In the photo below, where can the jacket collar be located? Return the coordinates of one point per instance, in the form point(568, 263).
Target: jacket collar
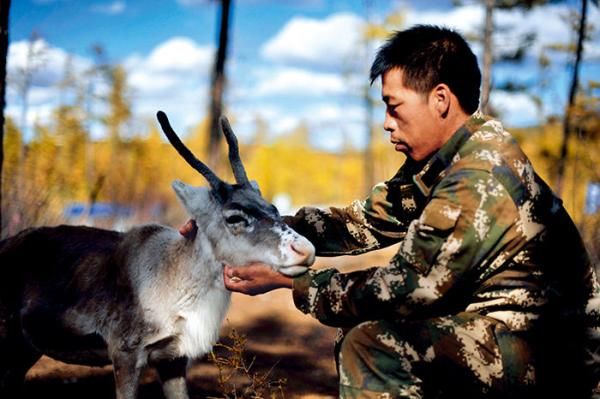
point(435, 168)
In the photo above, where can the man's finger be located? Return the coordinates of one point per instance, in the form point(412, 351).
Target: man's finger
point(189, 229)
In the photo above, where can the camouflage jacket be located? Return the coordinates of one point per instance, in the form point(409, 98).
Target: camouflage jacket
point(478, 230)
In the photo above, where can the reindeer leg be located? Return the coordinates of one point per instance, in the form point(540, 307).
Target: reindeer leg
point(172, 376)
point(127, 374)
point(15, 361)
point(16, 357)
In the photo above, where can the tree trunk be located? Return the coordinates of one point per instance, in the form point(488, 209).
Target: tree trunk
point(217, 86)
point(486, 79)
point(4, 10)
point(369, 155)
point(562, 160)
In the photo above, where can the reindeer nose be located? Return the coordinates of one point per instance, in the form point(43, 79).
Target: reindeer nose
point(305, 250)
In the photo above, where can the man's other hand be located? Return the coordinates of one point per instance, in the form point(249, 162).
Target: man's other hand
point(254, 279)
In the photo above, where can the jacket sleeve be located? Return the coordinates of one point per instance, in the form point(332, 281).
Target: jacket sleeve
point(469, 216)
point(360, 227)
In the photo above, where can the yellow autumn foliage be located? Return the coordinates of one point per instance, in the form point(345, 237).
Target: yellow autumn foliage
point(60, 165)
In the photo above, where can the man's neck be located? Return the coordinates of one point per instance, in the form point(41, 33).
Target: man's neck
point(453, 122)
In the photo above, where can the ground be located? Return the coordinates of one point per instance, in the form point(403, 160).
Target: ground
point(281, 341)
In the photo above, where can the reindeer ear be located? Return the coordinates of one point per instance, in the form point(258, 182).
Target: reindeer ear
point(194, 199)
point(254, 185)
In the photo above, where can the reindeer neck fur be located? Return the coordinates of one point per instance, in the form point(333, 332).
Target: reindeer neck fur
point(180, 285)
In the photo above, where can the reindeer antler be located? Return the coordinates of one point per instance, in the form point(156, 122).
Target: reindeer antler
point(190, 158)
point(234, 154)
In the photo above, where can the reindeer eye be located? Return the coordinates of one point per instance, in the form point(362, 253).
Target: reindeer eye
point(235, 219)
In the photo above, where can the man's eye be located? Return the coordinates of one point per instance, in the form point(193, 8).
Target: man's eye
point(235, 219)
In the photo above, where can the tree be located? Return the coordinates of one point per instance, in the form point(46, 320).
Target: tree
point(218, 84)
point(567, 123)
point(374, 32)
point(4, 10)
point(488, 43)
point(486, 78)
point(87, 98)
point(119, 113)
point(369, 158)
point(118, 103)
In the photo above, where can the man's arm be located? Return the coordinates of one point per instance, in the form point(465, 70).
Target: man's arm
point(469, 219)
point(361, 227)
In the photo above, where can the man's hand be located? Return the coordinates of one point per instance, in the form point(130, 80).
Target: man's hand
point(254, 279)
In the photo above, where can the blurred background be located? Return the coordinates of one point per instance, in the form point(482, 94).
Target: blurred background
point(84, 79)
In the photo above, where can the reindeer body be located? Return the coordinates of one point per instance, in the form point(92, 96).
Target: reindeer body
point(149, 296)
point(84, 304)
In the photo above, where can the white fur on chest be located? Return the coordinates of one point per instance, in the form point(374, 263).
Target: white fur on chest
point(191, 315)
point(198, 327)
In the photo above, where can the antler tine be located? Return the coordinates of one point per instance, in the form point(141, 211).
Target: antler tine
point(190, 158)
point(234, 153)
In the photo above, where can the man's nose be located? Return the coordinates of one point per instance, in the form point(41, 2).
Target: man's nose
point(388, 123)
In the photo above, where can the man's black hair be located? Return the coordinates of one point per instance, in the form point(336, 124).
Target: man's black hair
point(430, 55)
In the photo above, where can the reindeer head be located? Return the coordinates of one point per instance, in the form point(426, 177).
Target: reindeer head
point(241, 225)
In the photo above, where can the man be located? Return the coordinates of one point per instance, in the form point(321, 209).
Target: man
point(487, 294)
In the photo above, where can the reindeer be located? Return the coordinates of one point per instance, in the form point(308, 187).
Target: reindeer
point(147, 297)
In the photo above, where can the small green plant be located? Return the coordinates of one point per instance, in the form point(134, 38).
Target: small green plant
point(236, 379)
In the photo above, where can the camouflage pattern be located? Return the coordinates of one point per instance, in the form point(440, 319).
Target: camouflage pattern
point(480, 235)
point(463, 352)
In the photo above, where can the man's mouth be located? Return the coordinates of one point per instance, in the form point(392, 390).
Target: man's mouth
point(400, 146)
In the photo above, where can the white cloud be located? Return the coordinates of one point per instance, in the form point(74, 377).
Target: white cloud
point(176, 55)
point(44, 66)
point(114, 8)
point(334, 125)
point(332, 42)
point(174, 77)
point(331, 124)
point(516, 109)
point(176, 65)
point(295, 81)
point(547, 22)
point(40, 113)
point(278, 118)
point(463, 19)
point(45, 62)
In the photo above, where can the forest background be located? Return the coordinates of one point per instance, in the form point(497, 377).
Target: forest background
point(94, 156)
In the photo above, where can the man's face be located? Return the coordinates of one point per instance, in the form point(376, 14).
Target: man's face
point(410, 117)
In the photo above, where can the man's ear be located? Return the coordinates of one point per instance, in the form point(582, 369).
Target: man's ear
point(440, 97)
point(194, 199)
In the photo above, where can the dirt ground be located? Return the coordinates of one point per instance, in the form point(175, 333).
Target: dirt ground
point(281, 341)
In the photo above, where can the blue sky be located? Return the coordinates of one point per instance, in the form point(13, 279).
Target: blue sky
point(291, 62)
